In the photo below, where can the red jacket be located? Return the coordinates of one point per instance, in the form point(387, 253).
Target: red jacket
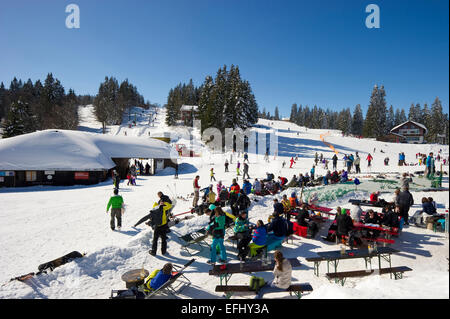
point(196, 183)
point(373, 197)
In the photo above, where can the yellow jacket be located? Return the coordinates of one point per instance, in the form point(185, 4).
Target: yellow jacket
point(166, 207)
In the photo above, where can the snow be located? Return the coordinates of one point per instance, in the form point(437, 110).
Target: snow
point(41, 223)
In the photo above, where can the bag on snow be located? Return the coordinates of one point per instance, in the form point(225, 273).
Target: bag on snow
point(256, 283)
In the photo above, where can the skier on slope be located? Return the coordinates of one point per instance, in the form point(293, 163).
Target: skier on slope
point(335, 159)
point(292, 162)
point(369, 160)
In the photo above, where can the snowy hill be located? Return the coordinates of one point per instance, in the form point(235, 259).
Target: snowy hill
point(41, 223)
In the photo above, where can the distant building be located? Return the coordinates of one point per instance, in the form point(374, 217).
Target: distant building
point(392, 138)
point(413, 132)
point(188, 114)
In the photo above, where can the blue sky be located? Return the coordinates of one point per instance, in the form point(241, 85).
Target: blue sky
point(305, 52)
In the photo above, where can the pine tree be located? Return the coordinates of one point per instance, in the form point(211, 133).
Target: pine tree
point(277, 114)
point(390, 119)
point(19, 120)
point(2, 101)
point(293, 115)
point(357, 121)
point(437, 121)
point(375, 122)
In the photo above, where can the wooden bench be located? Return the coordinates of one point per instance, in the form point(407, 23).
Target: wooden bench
point(297, 289)
point(342, 276)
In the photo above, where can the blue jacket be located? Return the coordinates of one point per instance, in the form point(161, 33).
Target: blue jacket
point(428, 208)
point(159, 280)
point(247, 187)
point(279, 208)
point(278, 226)
point(428, 162)
point(260, 236)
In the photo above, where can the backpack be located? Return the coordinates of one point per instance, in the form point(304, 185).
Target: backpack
point(156, 216)
point(256, 283)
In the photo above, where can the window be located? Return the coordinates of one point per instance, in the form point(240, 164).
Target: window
point(30, 176)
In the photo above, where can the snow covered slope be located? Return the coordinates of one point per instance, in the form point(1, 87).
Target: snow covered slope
point(39, 224)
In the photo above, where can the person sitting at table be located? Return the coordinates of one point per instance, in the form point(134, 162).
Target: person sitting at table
point(242, 232)
point(371, 218)
point(282, 276)
point(158, 278)
point(344, 224)
point(303, 216)
point(390, 218)
point(278, 226)
point(286, 207)
point(428, 209)
point(259, 240)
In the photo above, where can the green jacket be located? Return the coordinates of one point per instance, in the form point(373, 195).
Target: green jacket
point(240, 225)
point(220, 221)
point(115, 201)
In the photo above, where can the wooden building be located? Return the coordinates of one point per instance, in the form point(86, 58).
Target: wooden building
point(413, 132)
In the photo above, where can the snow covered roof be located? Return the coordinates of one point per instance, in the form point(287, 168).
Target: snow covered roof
point(415, 123)
point(189, 107)
point(75, 150)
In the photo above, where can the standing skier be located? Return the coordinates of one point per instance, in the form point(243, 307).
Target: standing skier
point(335, 159)
point(212, 175)
point(292, 162)
point(246, 158)
point(246, 171)
point(116, 204)
point(196, 192)
point(226, 165)
point(369, 160)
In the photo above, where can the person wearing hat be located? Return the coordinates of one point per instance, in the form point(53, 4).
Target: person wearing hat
point(344, 224)
point(217, 229)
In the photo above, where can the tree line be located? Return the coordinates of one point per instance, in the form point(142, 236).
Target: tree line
point(379, 119)
point(113, 99)
point(225, 101)
point(26, 106)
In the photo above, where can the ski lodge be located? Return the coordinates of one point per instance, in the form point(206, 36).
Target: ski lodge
point(63, 157)
point(413, 132)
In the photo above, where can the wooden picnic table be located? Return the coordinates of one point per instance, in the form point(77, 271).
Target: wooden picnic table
point(387, 230)
point(134, 277)
point(334, 257)
point(246, 267)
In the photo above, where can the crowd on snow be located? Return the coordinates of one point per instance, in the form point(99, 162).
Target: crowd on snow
point(287, 214)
